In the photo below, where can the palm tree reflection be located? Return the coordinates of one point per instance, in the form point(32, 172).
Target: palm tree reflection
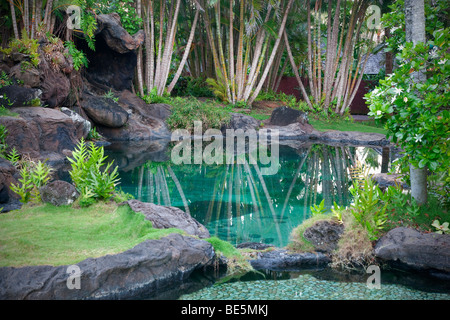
point(239, 204)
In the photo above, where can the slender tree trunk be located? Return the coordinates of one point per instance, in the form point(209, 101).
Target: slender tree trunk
point(13, 19)
point(186, 53)
point(274, 51)
point(294, 68)
point(415, 33)
point(139, 55)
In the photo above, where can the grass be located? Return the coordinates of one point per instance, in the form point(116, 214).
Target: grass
point(237, 264)
point(47, 235)
point(345, 125)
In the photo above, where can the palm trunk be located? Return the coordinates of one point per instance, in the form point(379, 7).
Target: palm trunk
point(294, 68)
point(272, 56)
point(415, 33)
point(139, 55)
point(13, 18)
point(186, 53)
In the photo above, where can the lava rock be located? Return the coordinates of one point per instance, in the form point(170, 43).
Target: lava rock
point(283, 260)
point(324, 235)
point(241, 121)
point(59, 193)
point(29, 76)
point(410, 249)
point(283, 116)
point(104, 111)
point(117, 38)
point(146, 271)
point(8, 175)
point(38, 130)
point(17, 96)
point(169, 217)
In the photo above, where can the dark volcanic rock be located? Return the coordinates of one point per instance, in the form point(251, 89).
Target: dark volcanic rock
point(146, 271)
point(18, 96)
point(40, 130)
point(8, 175)
point(283, 116)
point(283, 260)
point(411, 249)
point(113, 62)
point(59, 193)
point(324, 235)
point(29, 76)
point(241, 121)
point(117, 38)
point(145, 120)
point(169, 217)
point(104, 111)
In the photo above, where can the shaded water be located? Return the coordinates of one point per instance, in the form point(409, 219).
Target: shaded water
point(239, 204)
point(236, 202)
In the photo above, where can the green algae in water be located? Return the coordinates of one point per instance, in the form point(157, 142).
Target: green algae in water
point(307, 287)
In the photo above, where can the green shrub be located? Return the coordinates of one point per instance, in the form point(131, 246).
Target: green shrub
point(186, 111)
point(26, 46)
point(33, 176)
point(92, 177)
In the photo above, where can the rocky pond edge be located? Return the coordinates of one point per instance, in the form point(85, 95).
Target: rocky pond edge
point(175, 264)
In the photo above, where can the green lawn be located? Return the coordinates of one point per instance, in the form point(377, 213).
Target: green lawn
point(49, 235)
point(344, 125)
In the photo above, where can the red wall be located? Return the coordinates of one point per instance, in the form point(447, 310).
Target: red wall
point(289, 86)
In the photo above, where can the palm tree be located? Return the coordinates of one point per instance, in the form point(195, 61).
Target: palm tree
point(415, 33)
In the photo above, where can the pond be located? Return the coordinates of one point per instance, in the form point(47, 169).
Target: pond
point(237, 202)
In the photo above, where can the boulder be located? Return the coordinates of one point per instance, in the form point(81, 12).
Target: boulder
point(117, 38)
point(55, 88)
point(38, 131)
point(283, 116)
point(77, 118)
point(146, 271)
point(29, 76)
point(113, 62)
point(104, 111)
point(283, 260)
point(130, 101)
point(8, 174)
point(145, 122)
point(241, 121)
point(410, 249)
point(59, 193)
point(350, 138)
point(17, 96)
point(324, 235)
point(169, 217)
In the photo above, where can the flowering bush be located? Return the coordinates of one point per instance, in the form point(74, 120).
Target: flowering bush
point(417, 112)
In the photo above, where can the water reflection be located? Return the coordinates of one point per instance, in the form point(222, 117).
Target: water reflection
point(235, 201)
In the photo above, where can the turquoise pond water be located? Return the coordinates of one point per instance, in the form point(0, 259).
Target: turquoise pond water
point(239, 204)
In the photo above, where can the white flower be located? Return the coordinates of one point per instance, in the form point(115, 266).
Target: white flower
point(379, 113)
point(442, 61)
point(394, 28)
point(405, 99)
point(398, 90)
point(418, 137)
point(1, 97)
point(401, 47)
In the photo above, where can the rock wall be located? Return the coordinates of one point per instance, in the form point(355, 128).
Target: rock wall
point(147, 271)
